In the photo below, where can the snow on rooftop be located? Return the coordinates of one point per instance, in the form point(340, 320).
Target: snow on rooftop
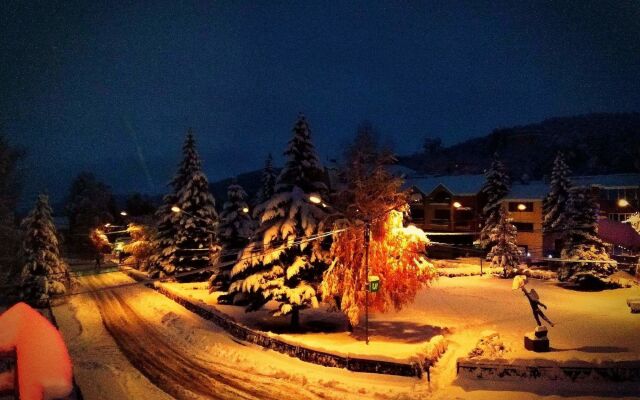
point(613, 180)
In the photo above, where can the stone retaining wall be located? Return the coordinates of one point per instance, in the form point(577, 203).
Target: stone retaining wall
point(243, 333)
point(574, 371)
point(305, 354)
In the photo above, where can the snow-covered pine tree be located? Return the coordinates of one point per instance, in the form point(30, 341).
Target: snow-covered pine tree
point(234, 231)
point(268, 181)
point(505, 253)
point(197, 220)
point(174, 230)
point(495, 188)
point(282, 268)
point(581, 241)
point(44, 273)
point(554, 206)
point(267, 189)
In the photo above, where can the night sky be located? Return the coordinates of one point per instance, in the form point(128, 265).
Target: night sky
point(112, 87)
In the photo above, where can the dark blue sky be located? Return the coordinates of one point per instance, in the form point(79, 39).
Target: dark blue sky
point(112, 87)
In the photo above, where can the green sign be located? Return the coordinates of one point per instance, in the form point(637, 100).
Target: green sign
point(374, 283)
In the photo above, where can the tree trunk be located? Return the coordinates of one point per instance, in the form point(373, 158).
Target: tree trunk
point(295, 318)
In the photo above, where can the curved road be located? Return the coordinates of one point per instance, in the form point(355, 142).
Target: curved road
point(169, 366)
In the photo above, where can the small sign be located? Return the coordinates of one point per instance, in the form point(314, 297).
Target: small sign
point(374, 283)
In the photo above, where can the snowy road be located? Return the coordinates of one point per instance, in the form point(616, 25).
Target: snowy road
point(171, 367)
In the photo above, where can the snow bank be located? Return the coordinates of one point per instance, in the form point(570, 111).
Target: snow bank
point(43, 364)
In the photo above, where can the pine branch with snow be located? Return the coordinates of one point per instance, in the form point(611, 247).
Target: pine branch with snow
point(555, 204)
point(505, 253)
point(495, 189)
point(44, 273)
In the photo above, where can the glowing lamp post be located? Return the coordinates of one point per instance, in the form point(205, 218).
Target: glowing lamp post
point(622, 203)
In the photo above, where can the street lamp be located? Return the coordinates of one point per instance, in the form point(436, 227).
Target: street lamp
point(176, 209)
point(245, 210)
point(123, 213)
point(623, 203)
point(315, 199)
point(457, 204)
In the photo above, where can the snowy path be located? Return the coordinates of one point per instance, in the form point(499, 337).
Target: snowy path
point(186, 357)
point(169, 366)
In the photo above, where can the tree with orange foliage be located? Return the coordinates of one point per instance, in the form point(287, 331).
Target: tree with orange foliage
point(100, 241)
point(140, 249)
point(396, 252)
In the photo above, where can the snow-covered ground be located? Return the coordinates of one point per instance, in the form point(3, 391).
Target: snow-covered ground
point(590, 326)
point(326, 330)
point(103, 372)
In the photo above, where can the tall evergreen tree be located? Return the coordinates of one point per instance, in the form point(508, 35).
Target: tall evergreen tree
point(90, 203)
point(505, 253)
point(268, 180)
point(283, 268)
point(555, 204)
point(234, 231)
point(44, 273)
point(581, 241)
point(184, 239)
point(495, 189)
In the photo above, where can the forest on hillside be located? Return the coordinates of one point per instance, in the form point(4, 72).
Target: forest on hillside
point(601, 143)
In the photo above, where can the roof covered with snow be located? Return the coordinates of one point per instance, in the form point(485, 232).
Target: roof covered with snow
point(456, 184)
point(613, 180)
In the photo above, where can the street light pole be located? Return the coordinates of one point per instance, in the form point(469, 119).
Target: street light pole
point(367, 237)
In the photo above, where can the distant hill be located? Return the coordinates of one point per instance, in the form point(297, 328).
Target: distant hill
point(593, 144)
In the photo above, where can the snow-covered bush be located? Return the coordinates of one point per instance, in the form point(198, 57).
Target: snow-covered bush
point(140, 248)
point(490, 346)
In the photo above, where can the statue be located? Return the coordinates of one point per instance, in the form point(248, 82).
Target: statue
point(538, 340)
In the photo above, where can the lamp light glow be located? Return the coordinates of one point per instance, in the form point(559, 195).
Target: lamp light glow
point(175, 209)
point(457, 204)
point(522, 207)
point(315, 199)
point(623, 203)
point(123, 213)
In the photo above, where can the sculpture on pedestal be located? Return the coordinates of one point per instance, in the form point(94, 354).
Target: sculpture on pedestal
point(538, 341)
